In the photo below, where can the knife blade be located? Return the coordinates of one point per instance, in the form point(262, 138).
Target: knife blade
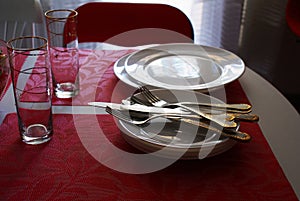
point(139, 108)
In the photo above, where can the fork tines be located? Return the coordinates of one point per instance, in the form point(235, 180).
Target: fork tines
point(148, 94)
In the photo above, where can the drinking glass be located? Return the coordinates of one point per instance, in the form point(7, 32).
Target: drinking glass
point(31, 79)
point(63, 47)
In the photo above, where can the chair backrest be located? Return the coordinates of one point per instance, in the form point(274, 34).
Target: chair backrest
point(293, 16)
point(129, 24)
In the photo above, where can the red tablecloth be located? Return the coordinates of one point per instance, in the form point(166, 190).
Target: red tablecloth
point(5, 78)
point(63, 169)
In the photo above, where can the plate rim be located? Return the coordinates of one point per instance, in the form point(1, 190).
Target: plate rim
point(204, 87)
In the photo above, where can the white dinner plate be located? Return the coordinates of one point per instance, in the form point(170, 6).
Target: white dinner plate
point(183, 66)
point(175, 139)
point(119, 70)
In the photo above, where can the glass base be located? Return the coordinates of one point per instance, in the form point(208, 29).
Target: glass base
point(36, 134)
point(66, 90)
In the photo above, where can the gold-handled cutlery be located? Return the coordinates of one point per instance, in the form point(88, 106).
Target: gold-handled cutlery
point(220, 118)
point(222, 114)
point(231, 133)
point(156, 101)
point(231, 115)
point(241, 108)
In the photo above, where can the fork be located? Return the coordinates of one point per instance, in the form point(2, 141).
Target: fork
point(156, 101)
point(120, 115)
point(231, 133)
point(230, 114)
point(242, 107)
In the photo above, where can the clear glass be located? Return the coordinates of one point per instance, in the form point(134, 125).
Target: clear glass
point(63, 47)
point(32, 87)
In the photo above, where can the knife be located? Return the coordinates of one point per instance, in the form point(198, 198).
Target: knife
point(139, 108)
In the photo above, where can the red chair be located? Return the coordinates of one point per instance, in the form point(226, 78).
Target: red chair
point(131, 24)
point(293, 16)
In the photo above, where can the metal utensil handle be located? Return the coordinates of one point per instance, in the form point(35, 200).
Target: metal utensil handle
point(231, 133)
point(246, 117)
point(241, 106)
point(221, 121)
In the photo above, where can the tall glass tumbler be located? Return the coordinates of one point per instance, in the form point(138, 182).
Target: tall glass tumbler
point(32, 87)
point(63, 47)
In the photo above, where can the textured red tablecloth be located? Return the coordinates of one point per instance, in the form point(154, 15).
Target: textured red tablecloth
point(5, 78)
point(63, 169)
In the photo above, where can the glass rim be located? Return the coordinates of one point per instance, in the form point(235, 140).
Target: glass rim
point(11, 47)
point(73, 12)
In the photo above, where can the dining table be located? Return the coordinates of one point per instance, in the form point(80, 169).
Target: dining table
point(88, 157)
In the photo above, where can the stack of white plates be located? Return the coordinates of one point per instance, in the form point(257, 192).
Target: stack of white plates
point(180, 66)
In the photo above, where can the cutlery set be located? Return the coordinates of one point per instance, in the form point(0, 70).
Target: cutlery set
point(220, 118)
